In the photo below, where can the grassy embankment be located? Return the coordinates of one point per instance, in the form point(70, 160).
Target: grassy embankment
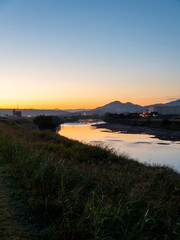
point(62, 189)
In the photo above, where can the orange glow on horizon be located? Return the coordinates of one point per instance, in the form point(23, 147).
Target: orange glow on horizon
point(62, 90)
point(84, 104)
point(85, 61)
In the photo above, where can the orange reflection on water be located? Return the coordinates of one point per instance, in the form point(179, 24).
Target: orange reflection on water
point(81, 132)
point(139, 146)
point(87, 133)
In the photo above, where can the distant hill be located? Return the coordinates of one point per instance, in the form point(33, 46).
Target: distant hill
point(117, 107)
point(173, 103)
point(35, 112)
point(77, 110)
point(113, 107)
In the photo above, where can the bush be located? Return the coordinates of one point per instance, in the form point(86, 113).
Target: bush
point(47, 122)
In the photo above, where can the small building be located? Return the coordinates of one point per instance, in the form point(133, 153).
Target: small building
point(165, 110)
point(17, 113)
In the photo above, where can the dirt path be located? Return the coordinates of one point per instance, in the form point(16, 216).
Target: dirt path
point(10, 228)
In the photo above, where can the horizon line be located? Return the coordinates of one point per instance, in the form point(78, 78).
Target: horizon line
point(68, 109)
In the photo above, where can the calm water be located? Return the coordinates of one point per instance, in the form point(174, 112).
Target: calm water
point(141, 147)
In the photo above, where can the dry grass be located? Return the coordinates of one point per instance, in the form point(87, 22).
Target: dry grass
point(78, 191)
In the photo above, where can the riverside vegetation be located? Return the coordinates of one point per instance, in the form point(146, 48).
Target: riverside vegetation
point(171, 122)
point(63, 189)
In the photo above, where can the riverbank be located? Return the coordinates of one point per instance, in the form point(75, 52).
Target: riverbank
point(162, 134)
point(75, 191)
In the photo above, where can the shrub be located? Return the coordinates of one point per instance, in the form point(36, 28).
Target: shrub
point(47, 122)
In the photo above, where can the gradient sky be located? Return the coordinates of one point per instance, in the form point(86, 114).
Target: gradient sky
point(86, 53)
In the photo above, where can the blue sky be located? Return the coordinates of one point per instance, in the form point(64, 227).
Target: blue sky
point(87, 53)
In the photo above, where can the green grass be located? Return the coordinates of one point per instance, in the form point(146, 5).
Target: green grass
point(63, 189)
point(10, 226)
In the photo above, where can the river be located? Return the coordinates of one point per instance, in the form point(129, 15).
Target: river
point(142, 147)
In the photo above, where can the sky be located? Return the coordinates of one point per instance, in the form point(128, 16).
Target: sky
point(86, 53)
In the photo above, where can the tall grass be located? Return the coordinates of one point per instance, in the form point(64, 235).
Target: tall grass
point(75, 191)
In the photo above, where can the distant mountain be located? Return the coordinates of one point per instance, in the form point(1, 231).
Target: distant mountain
point(117, 107)
point(35, 112)
point(113, 107)
point(77, 110)
point(173, 103)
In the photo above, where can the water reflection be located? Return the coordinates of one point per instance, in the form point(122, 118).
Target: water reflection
point(144, 148)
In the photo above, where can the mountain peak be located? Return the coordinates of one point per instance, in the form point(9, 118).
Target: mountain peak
point(129, 103)
point(117, 107)
point(113, 103)
point(116, 102)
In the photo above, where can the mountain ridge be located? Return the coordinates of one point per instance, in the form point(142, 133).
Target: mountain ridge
point(119, 107)
point(113, 107)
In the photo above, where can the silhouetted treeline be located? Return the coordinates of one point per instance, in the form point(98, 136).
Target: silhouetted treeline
point(47, 122)
point(114, 117)
point(135, 119)
point(75, 118)
point(52, 122)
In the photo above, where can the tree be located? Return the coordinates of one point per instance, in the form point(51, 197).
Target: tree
point(47, 122)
